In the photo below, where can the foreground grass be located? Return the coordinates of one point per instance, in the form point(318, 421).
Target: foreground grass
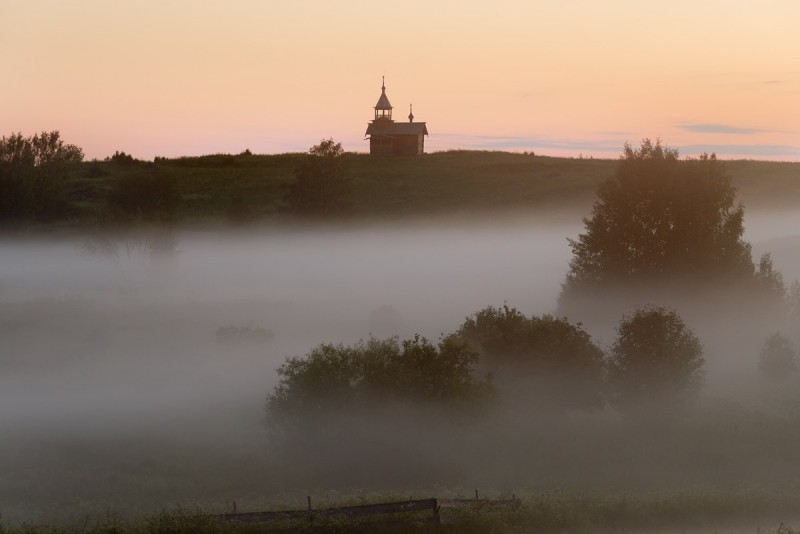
point(544, 513)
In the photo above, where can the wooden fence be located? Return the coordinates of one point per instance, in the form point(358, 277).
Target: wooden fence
point(434, 505)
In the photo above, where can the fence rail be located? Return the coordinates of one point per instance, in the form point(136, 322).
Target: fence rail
point(387, 508)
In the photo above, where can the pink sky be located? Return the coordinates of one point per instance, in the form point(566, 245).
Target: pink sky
point(174, 78)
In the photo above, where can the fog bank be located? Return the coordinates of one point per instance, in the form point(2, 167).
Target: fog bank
point(116, 391)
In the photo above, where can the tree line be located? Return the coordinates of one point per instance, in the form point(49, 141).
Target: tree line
point(655, 360)
point(34, 172)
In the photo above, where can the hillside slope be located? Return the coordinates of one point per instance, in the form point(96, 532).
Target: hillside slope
point(251, 187)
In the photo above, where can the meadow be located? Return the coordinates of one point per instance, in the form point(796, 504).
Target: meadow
point(250, 188)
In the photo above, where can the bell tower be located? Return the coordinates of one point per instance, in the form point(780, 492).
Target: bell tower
point(383, 109)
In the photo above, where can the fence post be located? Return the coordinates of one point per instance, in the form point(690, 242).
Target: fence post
point(310, 513)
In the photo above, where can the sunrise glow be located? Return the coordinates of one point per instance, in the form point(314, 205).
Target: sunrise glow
point(170, 78)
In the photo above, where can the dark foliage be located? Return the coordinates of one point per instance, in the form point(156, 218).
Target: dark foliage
point(145, 196)
point(374, 374)
point(321, 187)
point(95, 170)
point(655, 357)
point(660, 219)
point(558, 360)
point(32, 173)
point(240, 211)
point(121, 158)
point(778, 359)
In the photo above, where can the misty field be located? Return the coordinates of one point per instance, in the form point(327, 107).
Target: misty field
point(117, 393)
point(144, 348)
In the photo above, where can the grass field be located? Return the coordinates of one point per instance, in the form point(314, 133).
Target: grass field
point(221, 188)
point(759, 513)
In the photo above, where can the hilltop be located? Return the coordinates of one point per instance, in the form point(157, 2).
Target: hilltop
point(245, 187)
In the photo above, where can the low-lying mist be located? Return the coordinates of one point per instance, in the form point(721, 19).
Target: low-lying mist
point(119, 388)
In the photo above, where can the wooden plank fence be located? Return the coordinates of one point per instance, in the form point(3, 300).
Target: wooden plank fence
point(365, 510)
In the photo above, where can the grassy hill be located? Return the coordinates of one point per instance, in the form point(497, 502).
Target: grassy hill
point(224, 187)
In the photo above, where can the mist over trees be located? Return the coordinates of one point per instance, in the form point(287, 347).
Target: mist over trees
point(375, 374)
point(567, 405)
point(662, 223)
point(655, 357)
point(778, 358)
point(554, 360)
point(543, 363)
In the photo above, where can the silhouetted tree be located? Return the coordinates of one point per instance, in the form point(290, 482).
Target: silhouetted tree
point(655, 357)
point(770, 280)
point(778, 359)
point(556, 361)
point(121, 158)
point(374, 374)
point(661, 219)
point(32, 170)
point(321, 187)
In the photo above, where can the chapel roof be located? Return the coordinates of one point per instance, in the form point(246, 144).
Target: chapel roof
point(397, 128)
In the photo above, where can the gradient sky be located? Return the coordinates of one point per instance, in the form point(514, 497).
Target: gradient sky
point(566, 77)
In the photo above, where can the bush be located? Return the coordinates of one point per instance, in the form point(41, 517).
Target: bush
point(655, 357)
point(373, 374)
point(556, 360)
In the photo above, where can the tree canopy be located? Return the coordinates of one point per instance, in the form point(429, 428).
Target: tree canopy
point(31, 169)
point(654, 357)
point(660, 219)
point(556, 359)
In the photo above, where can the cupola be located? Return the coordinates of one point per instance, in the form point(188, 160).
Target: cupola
point(383, 109)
